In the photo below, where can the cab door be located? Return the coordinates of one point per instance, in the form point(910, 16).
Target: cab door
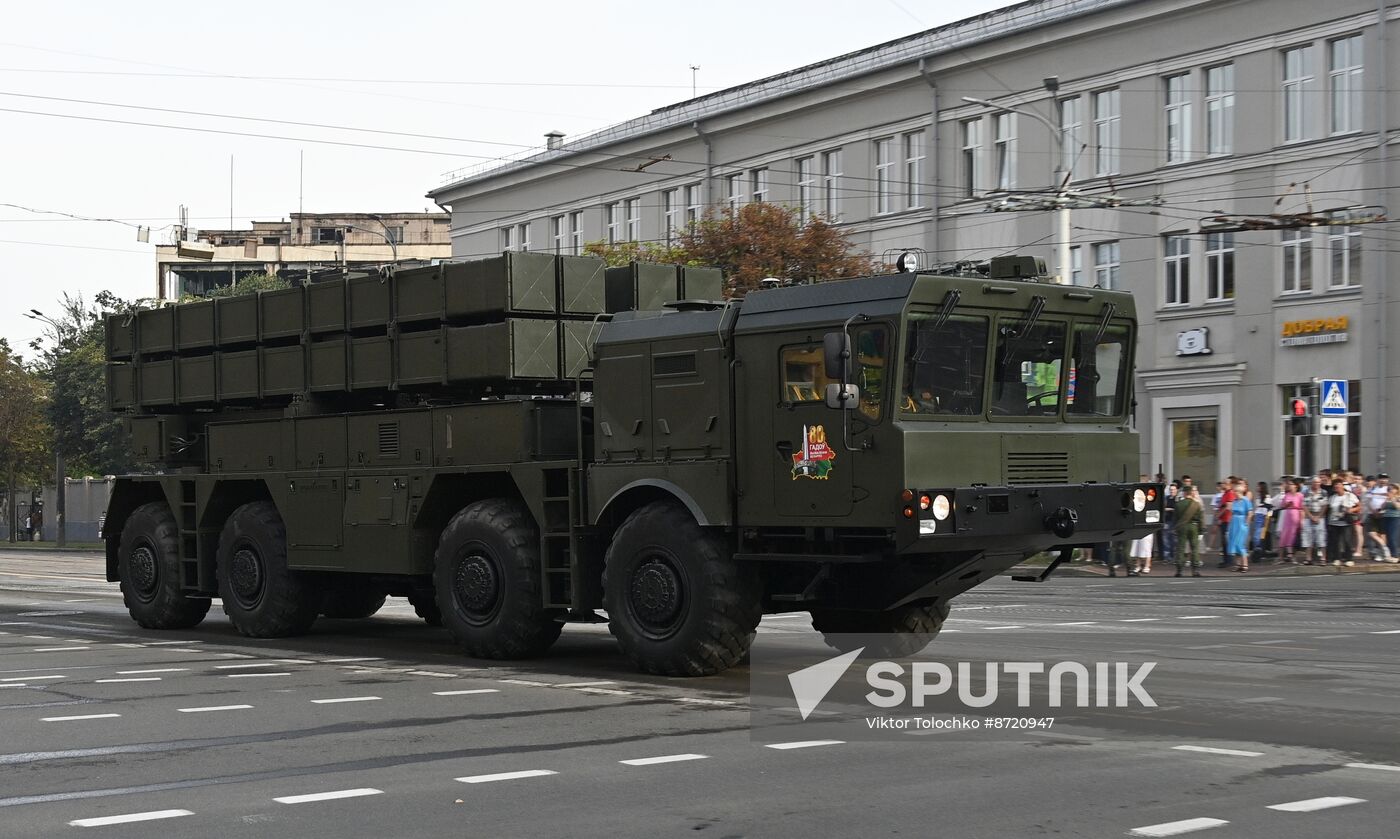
point(811, 468)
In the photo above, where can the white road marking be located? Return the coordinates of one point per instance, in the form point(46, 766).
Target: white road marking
point(1279, 641)
point(14, 685)
point(1333, 637)
point(59, 649)
point(157, 670)
point(506, 776)
point(85, 600)
point(1210, 750)
point(1382, 766)
point(1076, 623)
point(244, 666)
point(253, 675)
point(213, 708)
point(131, 817)
point(649, 761)
point(346, 660)
point(1311, 804)
point(1137, 620)
point(40, 637)
point(464, 692)
point(137, 679)
point(328, 796)
point(1196, 617)
point(585, 684)
point(346, 699)
point(30, 678)
point(1254, 614)
point(605, 691)
point(1382, 632)
point(1014, 626)
point(167, 643)
point(1176, 828)
point(1263, 699)
point(526, 682)
point(803, 744)
point(432, 673)
point(80, 717)
point(695, 700)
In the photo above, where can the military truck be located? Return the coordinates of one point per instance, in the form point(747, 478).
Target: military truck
point(521, 442)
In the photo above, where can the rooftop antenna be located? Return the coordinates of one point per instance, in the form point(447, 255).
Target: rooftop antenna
point(694, 68)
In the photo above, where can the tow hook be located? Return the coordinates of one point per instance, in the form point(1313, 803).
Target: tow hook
point(1062, 522)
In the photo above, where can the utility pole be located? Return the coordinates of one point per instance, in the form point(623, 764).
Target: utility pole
point(60, 500)
point(694, 68)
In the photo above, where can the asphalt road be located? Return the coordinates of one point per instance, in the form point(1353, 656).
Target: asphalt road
point(1277, 718)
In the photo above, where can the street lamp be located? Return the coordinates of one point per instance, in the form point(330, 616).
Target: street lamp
point(393, 246)
point(1062, 176)
point(60, 468)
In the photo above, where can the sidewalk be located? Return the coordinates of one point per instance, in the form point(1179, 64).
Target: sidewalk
point(1210, 568)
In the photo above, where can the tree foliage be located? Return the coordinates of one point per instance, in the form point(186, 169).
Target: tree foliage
point(242, 285)
point(72, 355)
point(25, 433)
point(753, 242)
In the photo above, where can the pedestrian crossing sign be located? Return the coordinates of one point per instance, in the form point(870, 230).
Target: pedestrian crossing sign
point(1334, 398)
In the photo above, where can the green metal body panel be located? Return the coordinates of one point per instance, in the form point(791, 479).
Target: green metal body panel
point(516, 349)
point(701, 283)
point(516, 282)
point(121, 385)
point(156, 383)
point(121, 336)
point(641, 286)
point(576, 347)
point(371, 367)
point(238, 375)
point(155, 330)
point(281, 313)
point(581, 285)
point(328, 365)
point(369, 302)
point(236, 320)
point(197, 380)
point(194, 325)
point(282, 370)
point(325, 306)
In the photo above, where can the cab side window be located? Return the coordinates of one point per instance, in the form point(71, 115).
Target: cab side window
point(804, 371)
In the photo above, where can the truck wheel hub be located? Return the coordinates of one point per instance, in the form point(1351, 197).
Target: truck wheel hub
point(143, 570)
point(477, 585)
point(246, 576)
point(656, 594)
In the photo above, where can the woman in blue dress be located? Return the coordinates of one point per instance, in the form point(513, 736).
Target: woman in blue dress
point(1237, 537)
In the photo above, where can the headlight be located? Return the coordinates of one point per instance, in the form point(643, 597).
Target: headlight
point(927, 527)
point(941, 507)
point(1139, 501)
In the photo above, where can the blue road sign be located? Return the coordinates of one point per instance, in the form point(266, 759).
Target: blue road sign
point(1332, 398)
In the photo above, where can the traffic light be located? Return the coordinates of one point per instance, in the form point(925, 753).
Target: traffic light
point(1298, 419)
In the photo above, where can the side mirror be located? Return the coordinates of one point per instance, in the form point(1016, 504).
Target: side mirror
point(836, 352)
point(842, 398)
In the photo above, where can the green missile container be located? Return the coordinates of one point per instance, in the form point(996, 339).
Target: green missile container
point(646, 286)
point(194, 325)
point(582, 288)
point(155, 330)
point(121, 336)
point(236, 320)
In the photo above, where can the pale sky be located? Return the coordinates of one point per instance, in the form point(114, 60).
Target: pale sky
point(484, 79)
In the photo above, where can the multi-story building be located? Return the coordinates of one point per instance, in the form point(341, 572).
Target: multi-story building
point(309, 241)
point(1182, 110)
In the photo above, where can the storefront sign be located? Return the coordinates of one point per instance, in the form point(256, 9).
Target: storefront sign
point(1300, 333)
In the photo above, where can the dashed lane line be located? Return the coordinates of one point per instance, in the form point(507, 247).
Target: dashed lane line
point(59, 649)
point(803, 744)
point(464, 692)
point(80, 717)
point(1384, 767)
point(133, 679)
point(507, 776)
point(1312, 804)
point(346, 699)
point(253, 675)
point(1211, 750)
point(597, 684)
point(156, 670)
point(1013, 626)
point(1196, 617)
point(348, 660)
point(245, 666)
point(31, 678)
point(1137, 620)
point(214, 708)
point(605, 691)
point(651, 761)
point(1387, 632)
point(434, 673)
point(328, 796)
point(1177, 828)
point(103, 821)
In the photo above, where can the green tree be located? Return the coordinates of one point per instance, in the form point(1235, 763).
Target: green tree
point(72, 359)
point(242, 285)
point(25, 433)
point(621, 253)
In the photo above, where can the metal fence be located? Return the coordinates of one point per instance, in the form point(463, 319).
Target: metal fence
point(86, 505)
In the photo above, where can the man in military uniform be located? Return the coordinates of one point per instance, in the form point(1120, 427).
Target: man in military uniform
point(1188, 531)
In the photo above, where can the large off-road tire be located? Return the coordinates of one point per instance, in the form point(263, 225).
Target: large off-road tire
point(148, 565)
point(263, 598)
point(490, 591)
point(425, 606)
point(899, 632)
point(678, 603)
point(352, 603)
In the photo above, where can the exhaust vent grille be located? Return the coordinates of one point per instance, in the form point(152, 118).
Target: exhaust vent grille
point(388, 439)
point(1037, 468)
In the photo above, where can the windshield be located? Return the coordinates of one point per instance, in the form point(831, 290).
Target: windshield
point(1098, 368)
point(1029, 369)
point(945, 367)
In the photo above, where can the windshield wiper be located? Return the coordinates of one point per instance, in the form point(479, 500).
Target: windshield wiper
point(1109, 310)
point(950, 302)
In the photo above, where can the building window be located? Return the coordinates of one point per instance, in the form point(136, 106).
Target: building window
point(1106, 132)
point(558, 233)
point(914, 169)
point(758, 185)
point(831, 183)
point(507, 238)
point(614, 215)
point(806, 189)
point(1107, 263)
point(633, 206)
point(1220, 109)
point(1177, 263)
point(734, 190)
point(692, 205)
point(1076, 265)
point(272, 240)
point(972, 156)
point(522, 236)
point(1005, 151)
point(394, 234)
point(1344, 241)
point(327, 235)
point(1297, 78)
point(1178, 118)
point(576, 233)
point(671, 213)
point(1220, 266)
point(1071, 134)
point(1344, 83)
point(884, 167)
point(1297, 260)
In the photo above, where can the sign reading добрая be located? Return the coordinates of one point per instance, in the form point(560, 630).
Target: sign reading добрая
point(1301, 333)
point(803, 690)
